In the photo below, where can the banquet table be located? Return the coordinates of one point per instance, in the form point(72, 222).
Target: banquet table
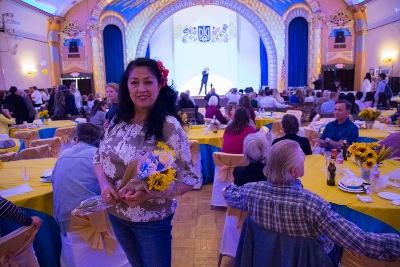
point(48, 130)
point(39, 203)
point(209, 143)
point(11, 149)
point(378, 216)
point(265, 118)
point(397, 98)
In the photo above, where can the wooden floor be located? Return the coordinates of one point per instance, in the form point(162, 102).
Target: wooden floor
point(197, 231)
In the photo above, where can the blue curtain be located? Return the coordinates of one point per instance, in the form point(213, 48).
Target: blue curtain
point(148, 51)
point(263, 64)
point(113, 54)
point(298, 52)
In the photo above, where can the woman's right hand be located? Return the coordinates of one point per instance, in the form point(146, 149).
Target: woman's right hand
point(389, 120)
point(106, 124)
point(108, 194)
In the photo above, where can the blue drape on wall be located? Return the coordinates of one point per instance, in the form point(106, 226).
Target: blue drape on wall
point(113, 54)
point(298, 52)
point(263, 64)
point(148, 51)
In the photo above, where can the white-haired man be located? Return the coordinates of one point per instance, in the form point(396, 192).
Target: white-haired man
point(281, 204)
point(321, 100)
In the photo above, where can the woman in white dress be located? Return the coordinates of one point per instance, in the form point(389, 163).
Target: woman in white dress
point(366, 86)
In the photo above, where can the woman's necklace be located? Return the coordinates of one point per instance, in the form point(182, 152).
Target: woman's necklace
point(138, 121)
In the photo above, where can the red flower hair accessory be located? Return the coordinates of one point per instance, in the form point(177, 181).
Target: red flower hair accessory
point(164, 73)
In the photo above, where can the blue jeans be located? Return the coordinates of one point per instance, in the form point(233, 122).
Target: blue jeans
point(146, 244)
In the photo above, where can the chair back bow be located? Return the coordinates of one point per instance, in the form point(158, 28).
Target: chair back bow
point(226, 163)
point(277, 129)
point(95, 229)
point(38, 152)
point(27, 137)
point(65, 133)
point(313, 137)
point(6, 157)
point(54, 144)
point(194, 150)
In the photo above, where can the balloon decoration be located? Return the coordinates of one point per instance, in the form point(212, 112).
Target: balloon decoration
point(43, 63)
point(45, 71)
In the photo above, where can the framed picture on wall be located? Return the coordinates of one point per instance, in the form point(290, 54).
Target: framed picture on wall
point(376, 72)
point(386, 71)
point(372, 71)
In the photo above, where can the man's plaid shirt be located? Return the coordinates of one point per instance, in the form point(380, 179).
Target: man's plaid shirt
point(290, 209)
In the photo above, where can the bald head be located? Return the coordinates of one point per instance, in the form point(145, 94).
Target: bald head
point(20, 92)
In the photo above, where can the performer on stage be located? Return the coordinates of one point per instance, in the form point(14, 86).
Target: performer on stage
point(204, 80)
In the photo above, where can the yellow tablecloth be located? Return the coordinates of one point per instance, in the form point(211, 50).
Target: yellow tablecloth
point(387, 113)
point(381, 209)
point(213, 139)
point(41, 199)
point(10, 149)
point(51, 125)
point(395, 99)
point(261, 121)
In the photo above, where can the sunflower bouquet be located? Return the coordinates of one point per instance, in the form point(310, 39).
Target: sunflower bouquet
point(369, 114)
point(44, 114)
point(367, 154)
point(183, 117)
point(154, 170)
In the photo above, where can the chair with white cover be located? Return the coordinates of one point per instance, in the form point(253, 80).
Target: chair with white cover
point(6, 157)
point(223, 175)
point(277, 129)
point(54, 144)
point(207, 121)
point(313, 137)
point(90, 241)
point(297, 113)
point(196, 160)
point(264, 130)
point(16, 248)
point(67, 136)
point(27, 137)
point(234, 220)
point(38, 152)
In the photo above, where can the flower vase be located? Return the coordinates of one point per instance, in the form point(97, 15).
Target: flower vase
point(369, 124)
point(46, 121)
point(365, 174)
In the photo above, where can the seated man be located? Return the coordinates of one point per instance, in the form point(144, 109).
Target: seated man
point(281, 204)
point(233, 96)
point(340, 129)
point(290, 125)
point(328, 107)
point(270, 102)
point(73, 175)
point(359, 102)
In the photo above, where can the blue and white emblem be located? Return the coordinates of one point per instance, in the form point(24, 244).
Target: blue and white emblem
point(204, 34)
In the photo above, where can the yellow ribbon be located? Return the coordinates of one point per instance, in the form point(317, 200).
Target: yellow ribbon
point(226, 163)
point(94, 229)
point(194, 150)
point(240, 216)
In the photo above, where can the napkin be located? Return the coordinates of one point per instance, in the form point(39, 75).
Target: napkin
point(396, 202)
point(394, 174)
point(394, 184)
point(365, 199)
point(18, 190)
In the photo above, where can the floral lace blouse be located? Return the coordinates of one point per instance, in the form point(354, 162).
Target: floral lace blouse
point(121, 144)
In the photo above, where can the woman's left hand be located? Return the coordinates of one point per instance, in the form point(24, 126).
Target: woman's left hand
point(135, 198)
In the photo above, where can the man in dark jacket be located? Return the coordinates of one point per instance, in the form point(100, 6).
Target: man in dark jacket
point(21, 112)
point(204, 80)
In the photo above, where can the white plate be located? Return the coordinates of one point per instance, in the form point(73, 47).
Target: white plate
point(352, 182)
point(47, 173)
point(389, 195)
point(350, 190)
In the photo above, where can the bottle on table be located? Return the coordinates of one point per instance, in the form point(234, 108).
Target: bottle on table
point(331, 172)
point(375, 174)
point(340, 170)
point(344, 149)
point(215, 125)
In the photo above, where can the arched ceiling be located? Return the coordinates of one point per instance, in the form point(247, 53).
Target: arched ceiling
point(130, 8)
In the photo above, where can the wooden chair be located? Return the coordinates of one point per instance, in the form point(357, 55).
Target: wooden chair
point(74, 117)
point(38, 152)
point(394, 104)
point(327, 115)
point(223, 175)
point(308, 106)
point(196, 160)
point(269, 109)
point(54, 144)
point(282, 109)
point(191, 114)
point(232, 103)
point(27, 137)
point(16, 248)
point(6, 157)
point(298, 106)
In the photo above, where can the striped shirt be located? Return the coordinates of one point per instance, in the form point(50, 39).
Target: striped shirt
point(288, 208)
point(10, 211)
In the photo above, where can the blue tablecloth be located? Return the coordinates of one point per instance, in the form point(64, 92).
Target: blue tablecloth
point(207, 162)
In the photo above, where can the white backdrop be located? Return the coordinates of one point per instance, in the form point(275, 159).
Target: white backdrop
point(235, 63)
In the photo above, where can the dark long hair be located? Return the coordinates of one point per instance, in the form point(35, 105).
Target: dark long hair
point(97, 107)
point(369, 96)
point(354, 107)
point(368, 76)
point(163, 107)
point(244, 101)
point(382, 100)
point(240, 121)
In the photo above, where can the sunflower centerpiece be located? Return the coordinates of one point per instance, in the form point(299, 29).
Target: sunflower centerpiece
point(186, 125)
point(367, 155)
point(44, 116)
point(369, 115)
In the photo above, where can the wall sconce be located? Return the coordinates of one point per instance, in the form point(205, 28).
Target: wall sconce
point(387, 59)
point(31, 72)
